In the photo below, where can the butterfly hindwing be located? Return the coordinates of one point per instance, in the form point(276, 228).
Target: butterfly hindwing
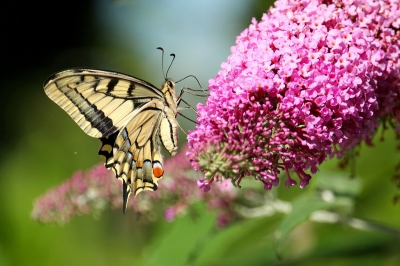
point(135, 157)
point(100, 102)
point(106, 149)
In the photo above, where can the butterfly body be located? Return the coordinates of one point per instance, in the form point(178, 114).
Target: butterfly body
point(130, 116)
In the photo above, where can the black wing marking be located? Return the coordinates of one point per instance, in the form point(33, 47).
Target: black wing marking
point(100, 102)
point(135, 157)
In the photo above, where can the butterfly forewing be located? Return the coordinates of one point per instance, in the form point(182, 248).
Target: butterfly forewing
point(100, 102)
point(129, 116)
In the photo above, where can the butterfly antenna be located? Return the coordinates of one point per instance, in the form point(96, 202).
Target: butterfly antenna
point(188, 77)
point(162, 61)
point(173, 58)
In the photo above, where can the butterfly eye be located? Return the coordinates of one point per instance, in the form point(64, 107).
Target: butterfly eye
point(170, 84)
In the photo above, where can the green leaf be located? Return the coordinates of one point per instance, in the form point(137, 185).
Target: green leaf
point(178, 242)
point(302, 208)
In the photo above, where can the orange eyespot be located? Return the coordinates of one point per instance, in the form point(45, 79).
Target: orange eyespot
point(158, 171)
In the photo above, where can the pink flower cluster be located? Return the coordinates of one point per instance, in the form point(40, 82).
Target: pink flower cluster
point(84, 193)
point(310, 81)
point(96, 189)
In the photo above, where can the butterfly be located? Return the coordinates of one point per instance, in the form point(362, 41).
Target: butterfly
point(130, 116)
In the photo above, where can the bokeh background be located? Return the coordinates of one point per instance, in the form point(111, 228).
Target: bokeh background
point(41, 146)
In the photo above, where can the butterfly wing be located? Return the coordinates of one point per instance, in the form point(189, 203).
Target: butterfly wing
point(134, 153)
point(100, 102)
point(129, 116)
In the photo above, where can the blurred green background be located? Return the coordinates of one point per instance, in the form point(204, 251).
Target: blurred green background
point(42, 146)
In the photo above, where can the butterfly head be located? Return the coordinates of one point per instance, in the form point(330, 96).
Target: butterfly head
point(168, 89)
point(169, 85)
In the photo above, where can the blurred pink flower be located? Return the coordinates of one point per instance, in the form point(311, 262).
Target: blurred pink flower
point(85, 192)
point(94, 190)
point(309, 82)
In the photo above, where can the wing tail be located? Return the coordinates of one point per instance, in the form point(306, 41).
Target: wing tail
point(136, 157)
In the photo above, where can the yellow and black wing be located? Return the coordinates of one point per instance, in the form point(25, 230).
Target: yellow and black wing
point(134, 152)
point(129, 116)
point(100, 102)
